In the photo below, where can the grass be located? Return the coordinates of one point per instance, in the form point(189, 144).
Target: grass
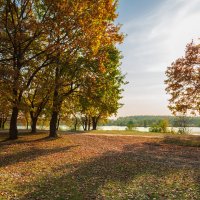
point(169, 138)
point(86, 166)
point(185, 140)
point(127, 132)
point(132, 132)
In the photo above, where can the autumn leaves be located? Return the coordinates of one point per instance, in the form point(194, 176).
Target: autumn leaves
point(183, 82)
point(67, 41)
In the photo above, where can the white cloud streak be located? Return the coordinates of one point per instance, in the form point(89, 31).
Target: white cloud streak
point(153, 42)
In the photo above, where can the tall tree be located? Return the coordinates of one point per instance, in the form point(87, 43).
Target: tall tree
point(38, 95)
point(183, 82)
point(25, 48)
point(102, 90)
point(36, 34)
point(90, 26)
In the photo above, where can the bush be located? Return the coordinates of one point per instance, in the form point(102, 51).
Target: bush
point(155, 128)
point(160, 127)
point(130, 126)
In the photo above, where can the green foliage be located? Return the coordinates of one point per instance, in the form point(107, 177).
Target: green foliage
point(130, 126)
point(155, 128)
point(183, 124)
point(148, 121)
point(41, 68)
point(102, 90)
point(160, 127)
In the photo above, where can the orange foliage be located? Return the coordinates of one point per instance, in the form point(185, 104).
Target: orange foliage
point(183, 83)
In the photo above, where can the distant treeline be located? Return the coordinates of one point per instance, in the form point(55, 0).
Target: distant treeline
point(147, 121)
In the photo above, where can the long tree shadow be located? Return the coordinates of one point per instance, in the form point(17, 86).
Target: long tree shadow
point(31, 154)
point(186, 140)
point(134, 173)
point(4, 141)
point(24, 139)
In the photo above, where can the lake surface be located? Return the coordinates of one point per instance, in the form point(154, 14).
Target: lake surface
point(192, 130)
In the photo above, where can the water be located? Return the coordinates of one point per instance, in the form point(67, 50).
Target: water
point(192, 130)
point(61, 128)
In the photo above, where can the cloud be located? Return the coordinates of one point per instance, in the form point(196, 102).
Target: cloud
point(155, 39)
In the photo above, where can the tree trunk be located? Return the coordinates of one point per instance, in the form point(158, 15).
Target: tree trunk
point(3, 126)
point(75, 125)
point(26, 122)
point(26, 125)
point(13, 132)
point(94, 123)
point(58, 124)
point(34, 124)
point(56, 106)
point(3, 123)
point(89, 123)
point(53, 124)
point(85, 123)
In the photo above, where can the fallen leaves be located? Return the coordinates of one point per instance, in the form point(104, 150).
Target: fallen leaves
point(98, 167)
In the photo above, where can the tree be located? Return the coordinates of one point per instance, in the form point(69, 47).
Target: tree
point(4, 111)
point(56, 37)
point(182, 122)
point(70, 112)
point(183, 82)
point(160, 127)
point(145, 124)
point(26, 46)
point(92, 26)
point(102, 90)
point(38, 95)
point(130, 126)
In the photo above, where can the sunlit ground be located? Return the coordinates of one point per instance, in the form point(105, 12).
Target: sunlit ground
point(81, 166)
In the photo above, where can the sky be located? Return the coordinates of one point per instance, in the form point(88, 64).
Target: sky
point(157, 34)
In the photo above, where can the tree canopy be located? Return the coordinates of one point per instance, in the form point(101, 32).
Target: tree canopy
point(50, 50)
point(183, 82)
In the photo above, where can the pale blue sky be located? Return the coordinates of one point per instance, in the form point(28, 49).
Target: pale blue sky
point(129, 9)
point(157, 33)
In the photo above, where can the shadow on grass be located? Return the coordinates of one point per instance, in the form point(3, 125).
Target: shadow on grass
point(5, 141)
point(137, 172)
point(190, 141)
point(31, 154)
point(24, 138)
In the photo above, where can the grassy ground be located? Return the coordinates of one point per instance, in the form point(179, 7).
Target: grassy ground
point(86, 166)
point(132, 132)
point(170, 138)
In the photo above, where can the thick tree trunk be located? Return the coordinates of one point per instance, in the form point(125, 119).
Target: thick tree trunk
point(56, 106)
point(94, 123)
point(53, 124)
point(34, 124)
point(13, 132)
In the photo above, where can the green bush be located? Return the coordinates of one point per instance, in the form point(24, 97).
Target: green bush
point(130, 126)
point(160, 127)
